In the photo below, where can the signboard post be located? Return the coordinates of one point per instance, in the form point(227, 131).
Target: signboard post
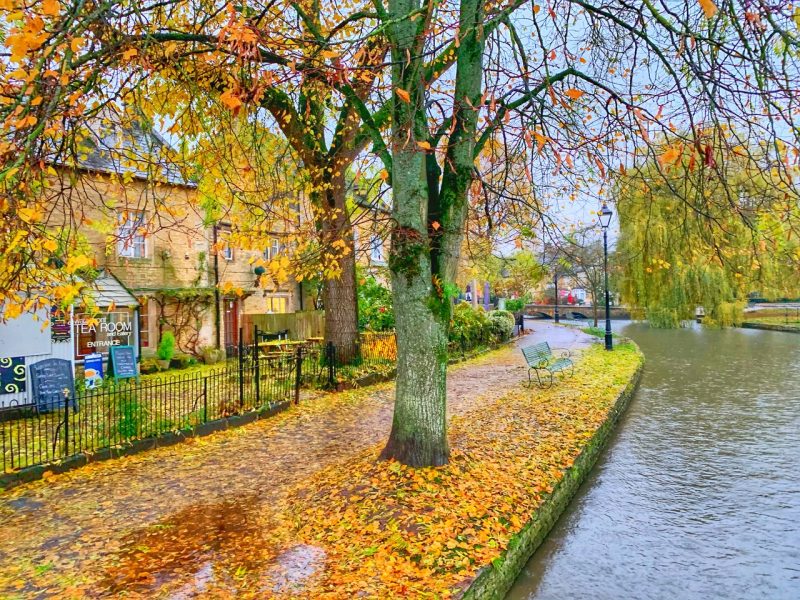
point(122, 362)
point(52, 382)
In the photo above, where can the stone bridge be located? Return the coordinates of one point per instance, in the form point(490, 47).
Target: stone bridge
point(574, 311)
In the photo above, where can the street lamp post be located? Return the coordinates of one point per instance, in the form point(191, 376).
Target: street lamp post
point(556, 316)
point(605, 220)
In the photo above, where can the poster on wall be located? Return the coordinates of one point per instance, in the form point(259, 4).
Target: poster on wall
point(12, 375)
point(60, 329)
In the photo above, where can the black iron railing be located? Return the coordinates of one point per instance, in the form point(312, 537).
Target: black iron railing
point(253, 378)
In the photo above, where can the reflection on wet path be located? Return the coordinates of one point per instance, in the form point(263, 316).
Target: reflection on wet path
point(698, 495)
point(195, 520)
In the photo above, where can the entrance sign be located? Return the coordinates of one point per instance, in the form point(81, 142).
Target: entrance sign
point(52, 382)
point(93, 371)
point(122, 362)
point(99, 333)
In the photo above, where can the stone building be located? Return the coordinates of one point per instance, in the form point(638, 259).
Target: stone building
point(145, 225)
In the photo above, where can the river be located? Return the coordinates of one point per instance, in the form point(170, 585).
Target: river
point(698, 494)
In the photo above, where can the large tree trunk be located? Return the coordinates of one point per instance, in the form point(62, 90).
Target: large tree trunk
point(426, 240)
point(339, 293)
point(419, 427)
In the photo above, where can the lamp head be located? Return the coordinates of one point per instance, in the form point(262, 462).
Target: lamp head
point(604, 215)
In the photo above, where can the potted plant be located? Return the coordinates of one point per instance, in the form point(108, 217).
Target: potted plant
point(166, 349)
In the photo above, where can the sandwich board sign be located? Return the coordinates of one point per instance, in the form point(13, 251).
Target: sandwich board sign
point(122, 362)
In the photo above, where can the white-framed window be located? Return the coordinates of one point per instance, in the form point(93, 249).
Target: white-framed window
point(132, 242)
point(227, 251)
point(273, 249)
point(376, 249)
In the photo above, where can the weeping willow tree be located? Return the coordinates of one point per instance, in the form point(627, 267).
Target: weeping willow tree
point(705, 230)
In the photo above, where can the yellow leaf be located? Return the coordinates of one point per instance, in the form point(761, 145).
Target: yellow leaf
point(50, 7)
point(574, 94)
point(403, 95)
point(384, 175)
point(76, 43)
point(50, 245)
point(424, 145)
point(230, 100)
point(128, 54)
point(709, 8)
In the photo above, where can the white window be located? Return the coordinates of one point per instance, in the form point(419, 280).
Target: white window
point(131, 234)
point(376, 249)
point(272, 250)
point(227, 251)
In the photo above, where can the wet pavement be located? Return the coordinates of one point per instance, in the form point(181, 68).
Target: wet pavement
point(168, 519)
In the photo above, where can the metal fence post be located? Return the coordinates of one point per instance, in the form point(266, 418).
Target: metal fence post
point(241, 369)
point(331, 352)
point(257, 369)
point(298, 376)
point(66, 423)
point(205, 399)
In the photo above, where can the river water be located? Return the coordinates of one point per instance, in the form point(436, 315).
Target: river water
point(698, 494)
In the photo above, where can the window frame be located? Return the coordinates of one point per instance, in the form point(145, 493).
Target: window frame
point(129, 236)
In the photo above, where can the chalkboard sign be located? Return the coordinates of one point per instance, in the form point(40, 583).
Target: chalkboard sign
point(49, 379)
point(122, 362)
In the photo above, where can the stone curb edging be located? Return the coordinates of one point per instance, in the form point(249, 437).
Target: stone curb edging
point(769, 327)
point(36, 472)
point(495, 580)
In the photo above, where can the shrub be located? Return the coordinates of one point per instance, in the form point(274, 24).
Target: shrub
point(469, 327)
point(502, 324)
point(516, 304)
point(182, 361)
point(149, 365)
point(166, 347)
point(374, 305)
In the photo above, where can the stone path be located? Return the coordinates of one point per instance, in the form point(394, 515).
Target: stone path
point(212, 494)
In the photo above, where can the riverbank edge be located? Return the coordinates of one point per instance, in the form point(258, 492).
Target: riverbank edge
point(76, 461)
point(496, 579)
point(769, 327)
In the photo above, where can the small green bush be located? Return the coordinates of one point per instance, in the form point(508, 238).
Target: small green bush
point(470, 327)
point(502, 324)
point(166, 347)
point(182, 361)
point(149, 365)
point(516, 304)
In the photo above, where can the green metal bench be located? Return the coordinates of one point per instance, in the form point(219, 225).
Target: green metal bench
point(541, 360)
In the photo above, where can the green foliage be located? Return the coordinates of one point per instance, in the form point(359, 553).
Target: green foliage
point(374, 305)
point(689, 239)
point(149, 365)
point(515, 304)
point(130, 416)
point(502, 324)
point(166, 347)
point(471, 327)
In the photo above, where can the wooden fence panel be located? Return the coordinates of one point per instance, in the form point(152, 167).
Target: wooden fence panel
point(301, 325)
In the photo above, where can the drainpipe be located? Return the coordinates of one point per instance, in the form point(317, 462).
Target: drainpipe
point(217, 316)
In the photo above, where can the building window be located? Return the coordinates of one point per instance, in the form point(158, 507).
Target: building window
point(227, 251)
point(131, 234)
point(272, 250)
point(376, 249)
point(277, 304)
point(144, 324)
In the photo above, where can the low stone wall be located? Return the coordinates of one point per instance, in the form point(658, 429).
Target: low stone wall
point(770, 327)
point(494, 580)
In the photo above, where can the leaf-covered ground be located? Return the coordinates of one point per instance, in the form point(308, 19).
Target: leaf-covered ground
point(297, 506)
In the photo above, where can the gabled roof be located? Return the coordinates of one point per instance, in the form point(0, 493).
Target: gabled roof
point(107, 290)
point(134, 149)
